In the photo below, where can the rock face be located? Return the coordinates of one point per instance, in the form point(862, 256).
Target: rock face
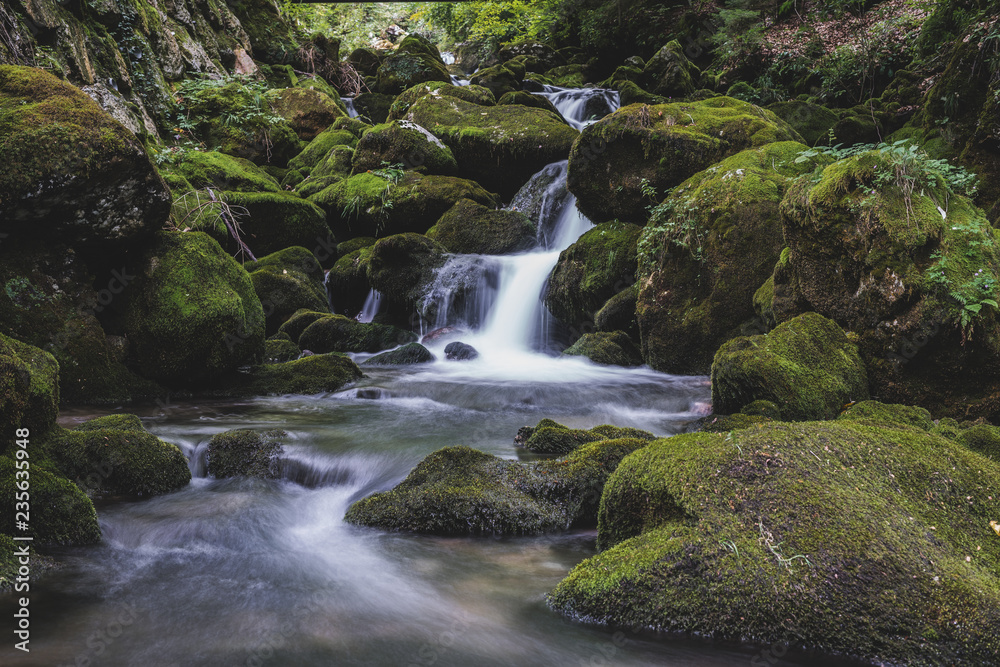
point(598, 266)
point(912, 276)
point(496, 145)
point(836, 536)
point(246, 453)
point(69, 170)
point(461, 491)
point(706, 250)
point(663, 144)
point(192, 315)
point(806, 366)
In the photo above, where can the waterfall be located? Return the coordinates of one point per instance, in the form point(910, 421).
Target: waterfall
point(371, 307)
point(349, 103)
point(582, 106)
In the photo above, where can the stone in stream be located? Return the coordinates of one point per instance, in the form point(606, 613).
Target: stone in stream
point(411, 353)
point(246, 453)
point(460, 352)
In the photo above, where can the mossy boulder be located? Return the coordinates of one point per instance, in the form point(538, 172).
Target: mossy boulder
point(348, 283)
point(540, 57)
point(668, 73)
point(373, 107)
point(116, 456)
point(472, 94)
point(415, 61)
point(366, 61)
point(706, 250)
point(70, 170)
point(640, 147)
point(280, 350)
point(471, 228)
point(403, 143)
point(806, 366)
point(612, 348)
point(313, 374)
point(411, 353)
point(309, 112)
point(299, 322)
point(268, 221)
point(552, 438)
point(982, 438)
point(528, 100)
point(336, 333)
point(246, 453)
point(285, 282)
point(29, 390)
point(498, 146)
point(618, 313)
point(838, 537)
point(401, 267)
point(380, 204)
point(498, 79)
point(812, 121)
point(462, 491)
point(875, 413)
point(192, 314)
point(591, 271)
point(209, 169)
point(912, 276)
point(61, 514)
point(320, 147)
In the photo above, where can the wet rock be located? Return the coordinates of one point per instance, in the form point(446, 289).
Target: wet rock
point(460, 352)
point(411, 353)
point(246, 453)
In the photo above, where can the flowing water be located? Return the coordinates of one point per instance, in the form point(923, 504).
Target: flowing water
point(251, 572)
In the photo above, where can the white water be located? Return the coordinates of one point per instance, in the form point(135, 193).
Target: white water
point(349, 103)
point(582, 106)
point(372, 305)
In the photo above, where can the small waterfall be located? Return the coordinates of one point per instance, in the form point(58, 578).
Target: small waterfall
point(371, 307)
point(459, 81)
point(582, 106)
point(349, 103)
point(448, 57)
point(462, 294)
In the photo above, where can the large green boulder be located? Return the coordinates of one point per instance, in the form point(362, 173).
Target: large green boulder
point(807, 367)
point(812, 121)
point(472, 228)
point(415, 61)
point(348, 283)
point(405, 144)
point(319, 148)
point(891, 250)
point(314, 374)
point(309, 112)
point(838, 537)
point(612, 348)
point(29, 390)
point(462, 491)
point(668, 73)
point(401, 267)
point(245, 453)
point(336, 333)
point(498, 146)
point(498, 79)
point(285, 282)
point(116, 456)
point(70, 171)
point(209, 169)
point(472, 94)
point(706, 250)
point(643, 150)
point(390, 202)
point(411, 353)
point(192, 313)
point(599, 265)
point(61, 514)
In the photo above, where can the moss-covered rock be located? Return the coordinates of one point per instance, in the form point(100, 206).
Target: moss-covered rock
point(319, 149)
point(313, 374)
point(839, 537)
point(280, 350)
point(618, 313)
point(401, 267)
point(60, 512)
point(812, 121)
point(205, 169)
point(705, 251)
point(309, 112)
point(875, 413)
point(411, 353)
point(461, 491)
point(246, 453)
point(192, 313)
point(668, 73)
point(403, 143)
point(550, 437)
point(591, 271)
point(911, 273)
point(528, 100)
point(472, 228)
point(612, 348)
point(498, 79)
point(366, 61)
point(472, 94)
point(499, 146)
point(268, 221)
point(348, 284)
point(29, 390)
point(415, 61)
point(116, 456)
point(982, 438)
point(806, 366)
point(379, 204)
point(70, 171)
point(662, 145)
point(336, 333)
point(285, 282)
point(373, 107)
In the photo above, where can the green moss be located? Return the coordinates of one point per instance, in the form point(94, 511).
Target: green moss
point(896, 415)
point(60, 513)
point(469, 227)
point(708, 245)
point(793, 528)
point(309, 112)
point(29, 390)
point(401, 267)
point(806, 366)
point(319, 149)
point(246, 453)
point(663, 144)
point(668, 73)
point(982, 438)
point(558, 439)
point(528, 100)
point(285, 282)
point(299, 322)
point(612, 348)
point(499, 80)
point(280, 351)
point(401, 142)
point(600, 264)
point(472, 94)
point(193, 313)
point(812, 121)
point(405, 69)
point(223, 172)
point(762, 408)
point(411, 353)
point(336, 333)
point(116, 456)
point(618, 313)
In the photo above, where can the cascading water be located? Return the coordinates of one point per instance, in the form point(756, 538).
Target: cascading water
point(349, 104)
point(582, 106)
point(372, 305)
